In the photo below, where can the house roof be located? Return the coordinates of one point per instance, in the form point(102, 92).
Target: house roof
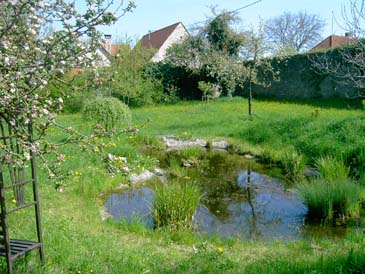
point(157, 38)
point(334, 41)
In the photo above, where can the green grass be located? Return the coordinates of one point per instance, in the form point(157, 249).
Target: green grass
point(77, 241)
point(337, 129)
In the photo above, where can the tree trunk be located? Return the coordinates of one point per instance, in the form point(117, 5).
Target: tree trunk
point(250, 99)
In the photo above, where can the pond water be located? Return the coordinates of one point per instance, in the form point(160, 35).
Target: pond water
point(239, 200)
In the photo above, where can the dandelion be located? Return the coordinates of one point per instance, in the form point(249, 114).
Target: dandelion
point(220, 249)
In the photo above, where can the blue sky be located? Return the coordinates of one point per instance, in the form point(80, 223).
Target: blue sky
point(156, 14)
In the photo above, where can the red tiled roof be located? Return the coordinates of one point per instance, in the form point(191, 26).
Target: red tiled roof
point(334, 41)
point(157, 38)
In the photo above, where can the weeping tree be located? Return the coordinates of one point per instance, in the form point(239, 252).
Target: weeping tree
point(31, 57)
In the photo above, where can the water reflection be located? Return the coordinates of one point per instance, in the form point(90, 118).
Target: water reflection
point(266, 211)
point(132, 204)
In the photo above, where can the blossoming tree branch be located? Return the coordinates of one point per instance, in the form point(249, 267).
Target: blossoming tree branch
point(30, 58)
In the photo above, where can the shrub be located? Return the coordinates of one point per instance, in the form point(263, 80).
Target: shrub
point(175, 204)
point(109, 112)
point(328, 200)
point(331, 168)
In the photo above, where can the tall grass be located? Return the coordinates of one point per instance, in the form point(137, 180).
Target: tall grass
point(329, 200)
point(175, 205)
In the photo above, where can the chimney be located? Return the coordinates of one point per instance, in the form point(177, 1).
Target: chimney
point(348, 34)
point(107, 42)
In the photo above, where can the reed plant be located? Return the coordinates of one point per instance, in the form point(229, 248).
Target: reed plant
point(175, 204)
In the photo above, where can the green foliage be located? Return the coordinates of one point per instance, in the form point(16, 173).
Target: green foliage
point(331, 168)
point(73, 96)
point(175, 204)
point(179, 81)
point(329, 200)
point(221, 36)
point(109, 112)
point(211, 55)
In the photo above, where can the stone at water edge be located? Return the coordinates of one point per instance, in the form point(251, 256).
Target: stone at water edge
point(144, 176)
point(159, 171)
point(249, 156)
point(220, 144)
point(173, 142)
point(104, 214)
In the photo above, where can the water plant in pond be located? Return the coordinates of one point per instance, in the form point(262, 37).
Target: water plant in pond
point(176, 169)
point(331, 199)
point(175, 204)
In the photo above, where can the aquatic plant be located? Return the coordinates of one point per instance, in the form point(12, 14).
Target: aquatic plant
point(175, 204)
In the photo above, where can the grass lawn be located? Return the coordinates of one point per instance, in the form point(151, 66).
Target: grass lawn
point(77, 241)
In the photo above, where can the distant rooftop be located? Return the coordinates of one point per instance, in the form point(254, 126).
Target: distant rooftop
point(334, 41)
point(156, 38)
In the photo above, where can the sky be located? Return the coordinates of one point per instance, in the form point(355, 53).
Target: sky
point(151, 15)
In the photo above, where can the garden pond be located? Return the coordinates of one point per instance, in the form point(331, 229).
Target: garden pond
point(241, 198)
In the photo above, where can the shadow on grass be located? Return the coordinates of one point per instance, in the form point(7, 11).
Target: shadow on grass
point(214, 262)
point(335, 103)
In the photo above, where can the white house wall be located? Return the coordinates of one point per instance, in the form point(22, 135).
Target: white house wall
point(176, 36)
point(102, 60)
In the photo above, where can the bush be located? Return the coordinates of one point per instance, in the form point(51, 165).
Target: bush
point(328, 200)
point(175, 205)
point(109, 112)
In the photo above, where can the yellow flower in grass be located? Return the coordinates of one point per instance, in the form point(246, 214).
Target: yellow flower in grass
point(220, 249)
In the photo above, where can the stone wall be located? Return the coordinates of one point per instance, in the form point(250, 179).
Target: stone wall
point(299, 80)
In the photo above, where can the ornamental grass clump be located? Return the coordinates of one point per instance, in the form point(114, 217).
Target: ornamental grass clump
point(175, 205)
point(109, 112)
point(333, 194)
point(331, 200)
